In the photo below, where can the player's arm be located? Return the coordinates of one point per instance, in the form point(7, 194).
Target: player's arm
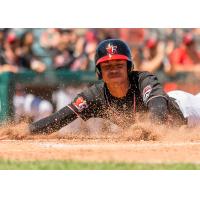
point(154, 97)
point(77, 108)
point(85, 106)
point(158, 110)
point(53, 122)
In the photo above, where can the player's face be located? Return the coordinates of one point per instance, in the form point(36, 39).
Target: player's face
point(114, 71)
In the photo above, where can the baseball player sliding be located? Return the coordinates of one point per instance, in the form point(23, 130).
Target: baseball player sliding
point(120, 94)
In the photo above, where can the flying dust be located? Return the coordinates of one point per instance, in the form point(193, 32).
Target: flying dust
point(141, 131)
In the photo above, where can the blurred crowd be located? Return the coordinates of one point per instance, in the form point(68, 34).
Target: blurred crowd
point(161, 51)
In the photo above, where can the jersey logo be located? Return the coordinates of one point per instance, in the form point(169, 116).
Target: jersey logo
point(111, 49)
point(146, 92)
point(80, 104)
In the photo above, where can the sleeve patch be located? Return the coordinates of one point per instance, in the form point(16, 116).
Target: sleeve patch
point(146, 92)
point(80, 104)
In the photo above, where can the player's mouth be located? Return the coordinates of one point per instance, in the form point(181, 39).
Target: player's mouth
point(114, 75)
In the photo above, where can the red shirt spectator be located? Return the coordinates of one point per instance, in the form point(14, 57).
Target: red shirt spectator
point(186, 57)
point(135, 36)
point(181, 56)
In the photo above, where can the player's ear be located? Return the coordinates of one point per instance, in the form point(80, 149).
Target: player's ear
point(98, 72)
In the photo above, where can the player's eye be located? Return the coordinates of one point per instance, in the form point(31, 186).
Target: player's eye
point(120, 65)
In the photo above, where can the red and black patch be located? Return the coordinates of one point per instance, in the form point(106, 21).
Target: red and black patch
point(146, 92)
point(80, 103)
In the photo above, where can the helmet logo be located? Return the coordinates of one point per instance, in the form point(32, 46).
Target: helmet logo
point(111, 50)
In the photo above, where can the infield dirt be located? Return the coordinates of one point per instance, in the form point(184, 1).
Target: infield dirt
point(144, 144)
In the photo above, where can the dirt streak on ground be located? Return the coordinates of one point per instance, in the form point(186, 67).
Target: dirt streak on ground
point(144, 144)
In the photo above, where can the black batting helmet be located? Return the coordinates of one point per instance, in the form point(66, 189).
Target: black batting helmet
point(112, 49)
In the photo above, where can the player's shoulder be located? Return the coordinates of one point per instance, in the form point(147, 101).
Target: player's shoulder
point(95, 90)
point(96, 87)
point(140, 75)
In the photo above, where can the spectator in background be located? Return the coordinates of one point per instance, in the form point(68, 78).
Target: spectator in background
point(45, 44)
point(186, 57)
point(29, 61)
point(2, 37)
point(50, 38)
point(73, 49)
point(137, 53)
point(154, 58)
point(63, 56)
point(17, 54)
point(80, 57)
point(9, 61)
point(134, 36)
point(90, 51)
point(85, 49)
point(70, 52)
point(90, 48)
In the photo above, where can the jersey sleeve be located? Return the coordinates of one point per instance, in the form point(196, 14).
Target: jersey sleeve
point(154, 97)
point(88, 103)
point(53, 122)
point(150, 87)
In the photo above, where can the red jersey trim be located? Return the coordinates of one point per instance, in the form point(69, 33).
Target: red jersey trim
point(73, 111)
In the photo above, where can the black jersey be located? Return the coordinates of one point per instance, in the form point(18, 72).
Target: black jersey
point(145, 94)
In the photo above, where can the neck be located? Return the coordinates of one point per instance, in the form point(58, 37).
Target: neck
point(119, 90)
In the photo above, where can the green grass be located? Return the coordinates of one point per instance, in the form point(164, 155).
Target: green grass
point(71, 165)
